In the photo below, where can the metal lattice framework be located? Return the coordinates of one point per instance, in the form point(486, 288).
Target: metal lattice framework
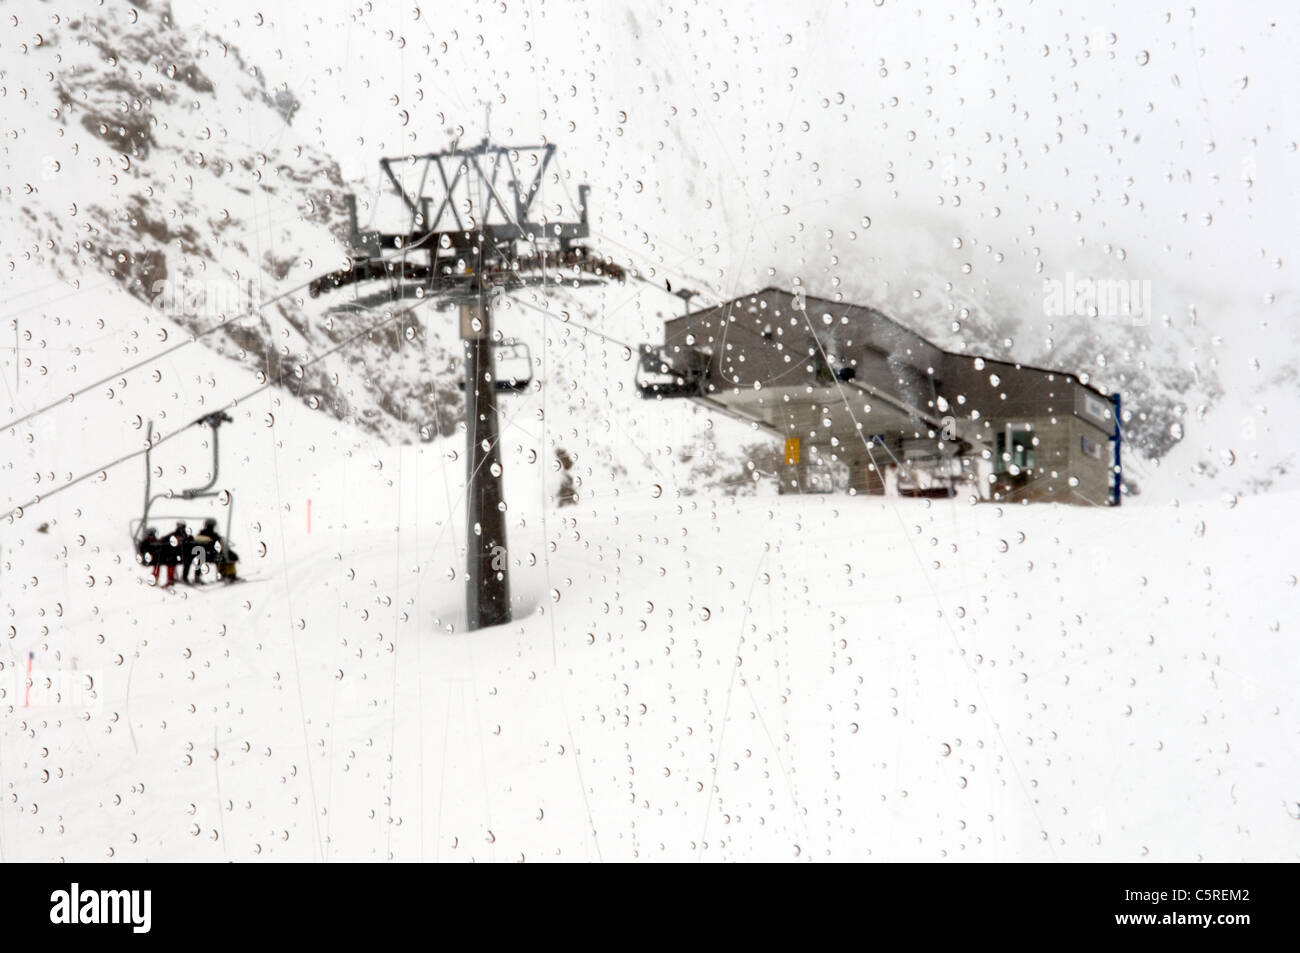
point(486, 188)
point(476, 214)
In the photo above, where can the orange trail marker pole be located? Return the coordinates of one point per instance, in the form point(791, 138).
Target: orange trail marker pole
point(27, 699)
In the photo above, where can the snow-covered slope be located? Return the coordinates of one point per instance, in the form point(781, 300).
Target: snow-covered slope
point(690, 674)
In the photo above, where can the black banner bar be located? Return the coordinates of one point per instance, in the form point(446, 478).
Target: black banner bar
point(1220, 904)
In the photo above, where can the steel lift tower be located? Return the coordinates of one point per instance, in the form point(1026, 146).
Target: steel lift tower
point(477, 228)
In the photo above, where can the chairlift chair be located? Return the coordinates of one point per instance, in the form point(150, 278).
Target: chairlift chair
point(138, 526)
point(679, 373)
point(512, 367)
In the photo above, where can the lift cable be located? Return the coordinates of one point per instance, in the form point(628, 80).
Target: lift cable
point(17, 511)
point(567, 320)
point(156, 356)
point(152, 357)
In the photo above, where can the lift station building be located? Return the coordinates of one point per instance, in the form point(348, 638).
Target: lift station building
point(846, 386)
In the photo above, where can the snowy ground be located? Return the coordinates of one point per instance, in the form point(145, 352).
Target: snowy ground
point(687, 676)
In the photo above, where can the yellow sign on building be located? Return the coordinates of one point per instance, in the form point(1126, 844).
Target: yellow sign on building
point(792, 451)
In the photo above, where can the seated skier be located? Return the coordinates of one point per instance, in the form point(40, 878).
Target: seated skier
point(216, 551)
point(150, 549)
point(178, 553)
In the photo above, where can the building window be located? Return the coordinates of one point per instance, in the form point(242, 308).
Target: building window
point(1096, 408)
point(1015, 450)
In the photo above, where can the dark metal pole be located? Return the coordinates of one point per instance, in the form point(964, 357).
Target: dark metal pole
point(488, 588)
point(1117, 497)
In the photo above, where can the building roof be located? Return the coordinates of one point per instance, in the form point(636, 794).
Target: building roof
point(829, 370)
point(879, 317)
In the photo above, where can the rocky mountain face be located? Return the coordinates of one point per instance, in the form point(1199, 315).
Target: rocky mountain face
point(160, 159)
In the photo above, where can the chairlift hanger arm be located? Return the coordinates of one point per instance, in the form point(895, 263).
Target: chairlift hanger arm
point(560, 262)
point(213, 420)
